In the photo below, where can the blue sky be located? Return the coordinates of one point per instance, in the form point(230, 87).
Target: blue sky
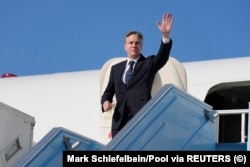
point(51, 36)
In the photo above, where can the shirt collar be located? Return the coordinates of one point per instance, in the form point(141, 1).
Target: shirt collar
point(135, 60)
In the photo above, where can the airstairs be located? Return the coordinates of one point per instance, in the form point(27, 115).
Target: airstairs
point(171, 120)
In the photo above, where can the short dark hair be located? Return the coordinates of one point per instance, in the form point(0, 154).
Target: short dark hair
point(139, 34)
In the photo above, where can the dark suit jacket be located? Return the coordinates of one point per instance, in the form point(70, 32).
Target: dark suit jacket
point(137, 93)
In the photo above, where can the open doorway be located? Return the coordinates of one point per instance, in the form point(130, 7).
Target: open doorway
point(230, 96)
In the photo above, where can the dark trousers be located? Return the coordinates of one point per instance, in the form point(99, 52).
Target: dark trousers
point(125, 119)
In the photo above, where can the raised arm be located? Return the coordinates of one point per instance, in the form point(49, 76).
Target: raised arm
point(166, 25)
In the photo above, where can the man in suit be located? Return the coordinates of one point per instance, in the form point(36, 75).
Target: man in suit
point(132, 94)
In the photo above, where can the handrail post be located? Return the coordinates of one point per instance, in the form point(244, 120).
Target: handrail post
point(243, 127)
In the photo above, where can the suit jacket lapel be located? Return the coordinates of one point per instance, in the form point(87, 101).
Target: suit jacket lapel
point(138, 65)
point(137, 68)
point(121, 69)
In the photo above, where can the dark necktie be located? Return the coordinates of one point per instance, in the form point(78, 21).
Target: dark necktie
point(129, 73)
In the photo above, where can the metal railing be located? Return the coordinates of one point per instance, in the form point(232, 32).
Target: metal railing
point(243, 113)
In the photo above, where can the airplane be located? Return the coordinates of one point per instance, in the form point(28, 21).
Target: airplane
point(72, 99)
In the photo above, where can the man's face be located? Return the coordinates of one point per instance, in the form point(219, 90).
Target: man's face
point(133, 46)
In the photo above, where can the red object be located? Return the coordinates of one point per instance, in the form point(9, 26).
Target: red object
point(110, 135)
point(8, 75)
